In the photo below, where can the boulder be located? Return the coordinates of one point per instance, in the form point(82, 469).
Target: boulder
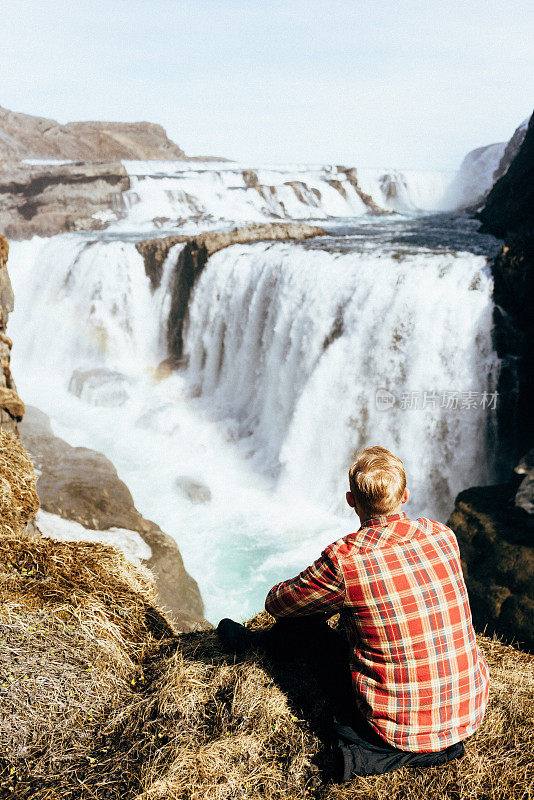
point(100, 387)
point(496, 540)
point(196, 492)
point(524, 497)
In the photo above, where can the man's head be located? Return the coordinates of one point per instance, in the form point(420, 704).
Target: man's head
point(377, 483)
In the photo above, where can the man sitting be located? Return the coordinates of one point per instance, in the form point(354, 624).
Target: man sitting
point(418, 684)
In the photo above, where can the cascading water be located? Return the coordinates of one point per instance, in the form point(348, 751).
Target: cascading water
point(185, 195)
point(287, 346)
point(293, 344)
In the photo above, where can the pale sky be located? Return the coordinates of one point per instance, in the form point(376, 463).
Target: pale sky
point(398, 83)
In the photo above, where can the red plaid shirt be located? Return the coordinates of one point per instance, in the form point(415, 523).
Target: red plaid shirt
point(419, 676)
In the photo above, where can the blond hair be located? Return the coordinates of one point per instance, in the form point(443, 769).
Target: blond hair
point(377, 481)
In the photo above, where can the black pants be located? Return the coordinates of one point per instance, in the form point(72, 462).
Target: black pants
point(361, 750)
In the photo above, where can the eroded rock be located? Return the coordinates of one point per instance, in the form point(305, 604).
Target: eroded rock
point(47, 199)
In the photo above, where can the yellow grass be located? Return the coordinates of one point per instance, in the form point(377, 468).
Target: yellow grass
point(99, 699)
point(18, 496)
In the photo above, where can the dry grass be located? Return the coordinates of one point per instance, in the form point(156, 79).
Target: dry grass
point(18, 496)
point(99, 700)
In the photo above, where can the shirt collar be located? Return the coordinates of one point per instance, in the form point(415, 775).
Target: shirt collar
point(376, 522)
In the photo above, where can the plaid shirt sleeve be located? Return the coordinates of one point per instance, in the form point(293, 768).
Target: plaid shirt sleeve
point(320, 588)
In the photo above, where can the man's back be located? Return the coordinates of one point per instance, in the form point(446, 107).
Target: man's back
point(419, 676)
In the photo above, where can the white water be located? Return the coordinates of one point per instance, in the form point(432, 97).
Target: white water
point(406, 191)
point(259, 341)
point(184, 194)
point(475, 176)
point(287, 347)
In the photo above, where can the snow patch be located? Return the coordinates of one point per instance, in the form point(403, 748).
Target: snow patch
point(134, 548)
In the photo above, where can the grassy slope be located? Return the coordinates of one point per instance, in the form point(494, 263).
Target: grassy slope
point(100, 699)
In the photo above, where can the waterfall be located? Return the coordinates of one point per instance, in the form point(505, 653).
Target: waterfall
point(185, 194)
point(88, 305)
point(291, 349)
point(294, 343)
point(406, 191)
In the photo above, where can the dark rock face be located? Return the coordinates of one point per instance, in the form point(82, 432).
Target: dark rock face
point(524, 497)
point(509, 213)
point(509, 206)
point(193, 258)
point(510, 151)
point(497, 546)
point(191, 262)
point(82, 485)
point(26, 136)
point(494, 524)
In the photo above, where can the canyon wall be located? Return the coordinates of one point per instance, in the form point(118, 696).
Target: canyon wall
point(46, 199)
point(509, 214)
point(495, 524)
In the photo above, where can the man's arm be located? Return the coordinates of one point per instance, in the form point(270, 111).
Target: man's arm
point(319, 588)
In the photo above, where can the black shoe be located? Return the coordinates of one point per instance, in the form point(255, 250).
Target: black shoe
point(235, 637)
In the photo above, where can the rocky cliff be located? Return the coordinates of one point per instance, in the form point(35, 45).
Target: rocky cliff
point(511, 150)
point(480, 170)
point(82, 487)
point(82, 177)
point(45, 199)
point(495, 524)
point(25, 136)
point(509, 207)
point(509, 214)
point(11, 406)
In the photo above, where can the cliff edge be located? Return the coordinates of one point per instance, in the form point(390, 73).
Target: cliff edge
point(495, 524)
